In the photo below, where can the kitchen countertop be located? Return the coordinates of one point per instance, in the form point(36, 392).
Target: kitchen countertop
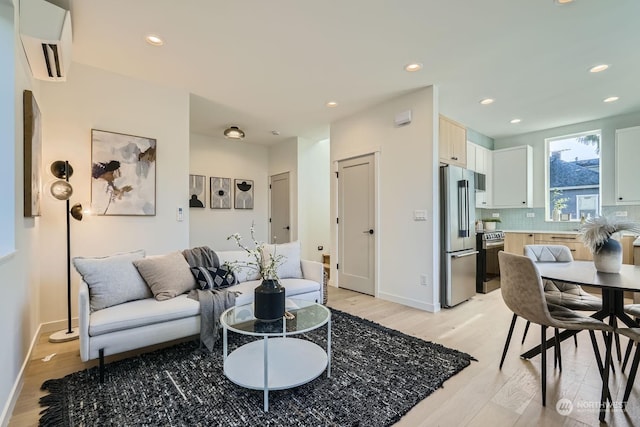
point(543, 231)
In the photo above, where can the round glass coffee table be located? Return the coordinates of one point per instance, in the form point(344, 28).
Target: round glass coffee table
point(277, 361)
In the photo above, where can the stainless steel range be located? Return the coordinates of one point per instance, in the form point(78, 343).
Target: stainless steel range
point(487, 268)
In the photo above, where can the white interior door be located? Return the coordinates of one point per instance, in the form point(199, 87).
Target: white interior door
point(356, 219)
point(280, 221)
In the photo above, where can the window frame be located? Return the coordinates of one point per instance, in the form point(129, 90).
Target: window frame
point(547, 177)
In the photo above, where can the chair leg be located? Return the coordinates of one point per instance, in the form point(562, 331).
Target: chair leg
point(543, 352)
point(558, 350)
point(632, 377)
point(605, 377)
point(575, 339)
point(627, 354)
point(526, 329)
point(506, 344)
point(617, 340)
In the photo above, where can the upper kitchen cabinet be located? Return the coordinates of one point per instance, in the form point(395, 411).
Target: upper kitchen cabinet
point(479, 160)
point(453, 142)
point(513, 177)
point(627, 170)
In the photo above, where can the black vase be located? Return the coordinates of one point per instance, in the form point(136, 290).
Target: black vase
point(268, 299)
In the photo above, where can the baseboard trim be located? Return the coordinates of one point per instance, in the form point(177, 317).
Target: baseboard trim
point(433, 308)
point(57, 325)
point(7, 411)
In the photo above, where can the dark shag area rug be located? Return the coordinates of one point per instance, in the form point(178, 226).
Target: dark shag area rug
point(377, 376)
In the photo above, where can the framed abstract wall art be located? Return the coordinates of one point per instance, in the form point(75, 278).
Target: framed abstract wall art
point(220, 192)
point(243, 189)
point(123, 174)
point(32, 122)
point(197, 191)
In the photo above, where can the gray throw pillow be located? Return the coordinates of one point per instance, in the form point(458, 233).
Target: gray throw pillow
point(112, 279)
point(167, 275)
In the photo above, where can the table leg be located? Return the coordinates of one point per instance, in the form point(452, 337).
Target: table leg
point(266, 374)
point(329, 348)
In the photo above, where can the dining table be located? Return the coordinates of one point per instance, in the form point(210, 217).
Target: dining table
point(612, 285)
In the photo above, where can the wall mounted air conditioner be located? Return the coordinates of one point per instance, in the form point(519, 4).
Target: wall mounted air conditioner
point(45, 31)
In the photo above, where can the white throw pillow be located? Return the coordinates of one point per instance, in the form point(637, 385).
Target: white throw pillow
point(112, 279)
point(290, 266)
point(167, 275)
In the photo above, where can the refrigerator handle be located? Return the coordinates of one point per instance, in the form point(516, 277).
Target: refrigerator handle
point(463, 208)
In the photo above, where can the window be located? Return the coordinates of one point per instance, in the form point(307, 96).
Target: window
point(572, 176)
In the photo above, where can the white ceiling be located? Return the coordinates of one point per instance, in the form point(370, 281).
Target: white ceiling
point(272, 65)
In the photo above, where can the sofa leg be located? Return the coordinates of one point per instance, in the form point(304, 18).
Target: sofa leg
point(101, 353)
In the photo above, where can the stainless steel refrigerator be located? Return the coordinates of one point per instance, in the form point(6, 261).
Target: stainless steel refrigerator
point(458, 243)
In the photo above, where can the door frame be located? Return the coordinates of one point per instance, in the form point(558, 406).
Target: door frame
point(335, 252)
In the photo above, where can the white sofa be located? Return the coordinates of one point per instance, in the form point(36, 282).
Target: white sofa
point(144, 322)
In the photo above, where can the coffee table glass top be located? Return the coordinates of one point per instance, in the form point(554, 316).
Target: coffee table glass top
point(308, 315)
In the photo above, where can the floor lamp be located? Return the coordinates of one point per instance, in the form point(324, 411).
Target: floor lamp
point(62, 190)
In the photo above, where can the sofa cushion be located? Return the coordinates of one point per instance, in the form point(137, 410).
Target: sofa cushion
point(141, 313)
point(242, 272)
point(290, 265)
point(167, 275)
point(213, 277)
point(292, 287)
point(112, 279)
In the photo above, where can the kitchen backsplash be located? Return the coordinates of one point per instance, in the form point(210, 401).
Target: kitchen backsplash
point(516, 219)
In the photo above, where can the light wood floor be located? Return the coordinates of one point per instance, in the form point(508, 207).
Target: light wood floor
point(480, 395)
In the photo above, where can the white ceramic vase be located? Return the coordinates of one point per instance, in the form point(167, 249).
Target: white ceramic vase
point(607, 257)
point(490, 226)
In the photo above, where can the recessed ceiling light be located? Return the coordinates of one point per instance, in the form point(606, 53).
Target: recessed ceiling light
point(598, 68)
point(514, 121)
point(487, 101)
point(275, 132)
point(332, 104)
point(611, 99)
point(416, 66)
point(154, 40)
point(563, 1)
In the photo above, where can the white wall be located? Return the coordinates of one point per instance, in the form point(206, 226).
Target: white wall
point(228, 159)
point(19, 272)
point(314, 178)
point(607, 151)
point(95, 99)
point(283, 157)
point(408, 180)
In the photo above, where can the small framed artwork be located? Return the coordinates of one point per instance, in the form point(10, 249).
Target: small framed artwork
point(197, 191)
point(123, 172)
point(32, 155)
point(243, 189)
point(220, 192)
point(565, 217)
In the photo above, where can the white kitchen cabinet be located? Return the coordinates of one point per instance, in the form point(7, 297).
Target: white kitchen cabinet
point(479, 160)
point(627, 168)
point(452, 142)
point(512, 175)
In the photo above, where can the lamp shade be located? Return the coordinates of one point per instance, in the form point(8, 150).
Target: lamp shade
point(61, 190)
point(233, 132)
point(76, 211)
point(59, 169)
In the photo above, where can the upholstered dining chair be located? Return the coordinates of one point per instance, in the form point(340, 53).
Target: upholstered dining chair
point(523, 292)
point(634, 335)
point(632, 310)
point(557, 293)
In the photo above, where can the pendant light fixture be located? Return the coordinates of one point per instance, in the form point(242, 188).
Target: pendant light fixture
point(233, 132)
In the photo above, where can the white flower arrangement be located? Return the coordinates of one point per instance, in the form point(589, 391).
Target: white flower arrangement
point(596, 231)
point(265, 265)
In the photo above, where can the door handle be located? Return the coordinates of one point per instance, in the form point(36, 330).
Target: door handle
point(370, 231)
point(467, 254)
point(286, 228)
